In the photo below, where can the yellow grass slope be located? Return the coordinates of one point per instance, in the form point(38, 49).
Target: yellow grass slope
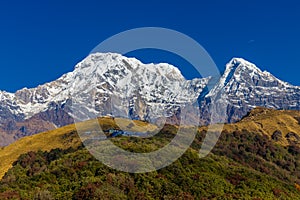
point(63, 138)
point(59, 138)
point(268, 121)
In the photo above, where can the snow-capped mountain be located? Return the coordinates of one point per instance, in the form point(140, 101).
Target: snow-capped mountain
point(119, 86)
point(244, 86)
point(125, 87)
point(111, 84)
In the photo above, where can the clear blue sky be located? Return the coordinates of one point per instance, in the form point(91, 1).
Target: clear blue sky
point(41, 40)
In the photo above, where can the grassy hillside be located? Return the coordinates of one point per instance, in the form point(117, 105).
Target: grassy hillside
point(247, 163)
point(281, 126)
point(62, 138)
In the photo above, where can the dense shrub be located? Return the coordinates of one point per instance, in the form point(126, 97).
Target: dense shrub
point(243, 165)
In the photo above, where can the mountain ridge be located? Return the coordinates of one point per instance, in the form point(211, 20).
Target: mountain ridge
point(125, 87)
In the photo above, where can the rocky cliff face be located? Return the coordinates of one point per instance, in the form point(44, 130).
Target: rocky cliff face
point(111, 84)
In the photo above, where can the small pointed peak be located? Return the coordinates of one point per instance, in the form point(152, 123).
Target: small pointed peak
point(238, 60)
point(236, 63)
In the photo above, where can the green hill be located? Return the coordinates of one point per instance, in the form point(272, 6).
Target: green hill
point(245, 164)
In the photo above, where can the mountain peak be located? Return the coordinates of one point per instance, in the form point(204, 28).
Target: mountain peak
point(103, 62)
point(233, 70)
point(240, 75)
point(239, 60)
point(241, 63)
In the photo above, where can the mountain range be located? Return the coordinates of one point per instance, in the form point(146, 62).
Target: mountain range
point(125, 87)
